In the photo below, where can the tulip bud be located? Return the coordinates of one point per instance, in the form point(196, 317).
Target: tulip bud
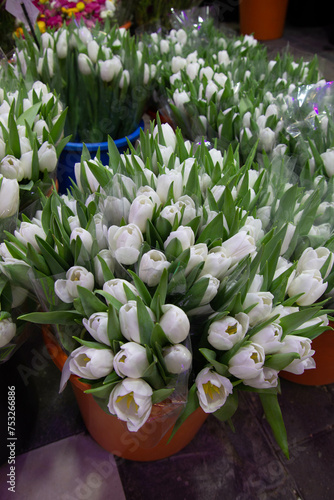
point(11, 168)
point(47, 157)
point(84, 64)
point(175, 323)
point(302, 346)
point(116, 288)
point(141, 210)
point(93, 50)
point(310, 284)
point(129, 322)
point(91, 363)
point(151, 267)
point(27, 233)
point(67, 289)
point(226, 332)
point(106, 255)
point(247, 362)
point(7, 331)
point(97, 326)
point(125, 243)
point(177, 358)
point(131, 360)
point(184, 234)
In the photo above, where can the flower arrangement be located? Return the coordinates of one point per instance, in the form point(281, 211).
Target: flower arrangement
point(31, 140)
point(53, 14)
point(101, 77)
point(175, 261)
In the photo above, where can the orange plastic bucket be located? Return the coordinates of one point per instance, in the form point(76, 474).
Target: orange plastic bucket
point(147, 444)
point(264, 19)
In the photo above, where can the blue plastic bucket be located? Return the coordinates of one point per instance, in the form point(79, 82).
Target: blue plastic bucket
point(71, 155)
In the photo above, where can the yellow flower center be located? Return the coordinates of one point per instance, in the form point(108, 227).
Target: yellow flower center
point(128, 399)
point(231, 329)
point(122, 359)
point(254, 357)
point(80, 6)
point(86, 359)
point(41, 26)
point(210, 389)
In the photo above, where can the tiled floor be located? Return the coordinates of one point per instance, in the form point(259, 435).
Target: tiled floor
point(57, 460)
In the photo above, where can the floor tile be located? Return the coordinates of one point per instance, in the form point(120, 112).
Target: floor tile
point(75, 468)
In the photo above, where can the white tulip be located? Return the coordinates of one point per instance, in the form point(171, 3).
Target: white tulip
point(226, 332)
point(238, 246)
point(106, 255)
point(47, 157)
point(85, 237)
point(93, 50)
point(212, 390)
point(131, 401)
point(266, 139)
point(110, 68)
point(302, 346)
point(178, 63)
point(207, 72)
point(211, 90)
point(223, 57)
point(47, 40)
point(169, 212)
point(175, 323)
point(266, 379)
point(263, 306)
point(315, 259)
point(217, 263)
point(115, 209)
point(151, 267)
point(177, 358)
point(269, 338)
point(7, 331)
point(189, 210)
point(141, 210)
point(85, 35)
point(125, 243)
point(67, 289)
point(84, 64)
point(101, 231)
point(247, 363)
point(97, 326)
point(11, 168)
point(131, 360)
point(27, 233)
point(115, 287)
point(328, 159)
point(163, 184)
point(192, 70)
point(168, 134)
point(164, 46)
point(184, 234)
point(150, 193)
point(180, 98)
point(198, 254)
point(211, 290)
point(310, 284)
point(129, 322)
point(9, 197)
point(91, 363)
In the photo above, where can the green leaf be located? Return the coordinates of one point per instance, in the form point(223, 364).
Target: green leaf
point(160, 294)
point(141, 287)
point(212, 229)
point(101, 391)
point(229, 408)
point(29, 115)
point(145, 322)
point(161, 394)
point(280, 361)
point(274, 417)
point(90, 302)
point(114, 330)
point(291, 322)
point(54, 317)
point(211, 357)
point(91, 344)
point(110, 299)
point(58, 127)
point(158, 336)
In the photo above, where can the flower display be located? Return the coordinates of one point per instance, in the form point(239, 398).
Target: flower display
point(207, 263)
point(31, 140)
point(101, 77)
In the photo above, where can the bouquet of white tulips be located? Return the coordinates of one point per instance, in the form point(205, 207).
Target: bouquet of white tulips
point(31, 140)
point(185, 266)
point(101, 77)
